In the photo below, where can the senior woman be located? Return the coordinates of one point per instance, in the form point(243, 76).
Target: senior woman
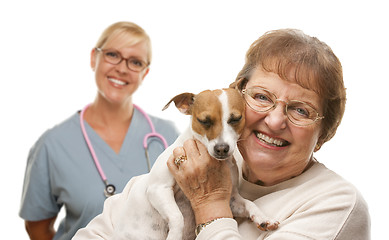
point(295, 96)
point(293, 86)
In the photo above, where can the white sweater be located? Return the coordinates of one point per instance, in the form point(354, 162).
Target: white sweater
point(317, 204)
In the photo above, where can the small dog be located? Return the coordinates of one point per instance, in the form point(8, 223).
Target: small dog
point(158, 205)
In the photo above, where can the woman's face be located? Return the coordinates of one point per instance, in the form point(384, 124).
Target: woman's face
point(266, 162)
point(117, 83)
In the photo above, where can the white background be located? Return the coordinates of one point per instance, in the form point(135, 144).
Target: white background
point(46, 76)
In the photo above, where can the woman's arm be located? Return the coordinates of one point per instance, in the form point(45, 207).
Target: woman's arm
point(41, 230)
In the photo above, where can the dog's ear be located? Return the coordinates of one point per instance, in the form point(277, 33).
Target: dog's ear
point(239, 84)
point(183, 102)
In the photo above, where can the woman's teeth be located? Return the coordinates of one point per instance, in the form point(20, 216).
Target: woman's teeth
point(118, 82)
point(270, 140)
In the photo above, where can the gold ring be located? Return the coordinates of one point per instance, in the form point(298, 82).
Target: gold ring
point(179, 160)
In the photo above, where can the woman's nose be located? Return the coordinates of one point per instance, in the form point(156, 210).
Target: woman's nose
point(122, 67)
point(276, 119)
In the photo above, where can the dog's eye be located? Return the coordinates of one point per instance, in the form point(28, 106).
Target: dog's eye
point(234, 120)
point(205, 122)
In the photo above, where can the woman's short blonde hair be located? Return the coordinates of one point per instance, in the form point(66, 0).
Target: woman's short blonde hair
point(305, 60)
point(137, 33)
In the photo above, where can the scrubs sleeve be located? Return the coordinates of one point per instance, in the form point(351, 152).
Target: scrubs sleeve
point(37, 202)
point(103, 225)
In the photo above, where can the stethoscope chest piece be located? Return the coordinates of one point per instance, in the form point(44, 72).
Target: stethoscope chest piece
point(109, 190)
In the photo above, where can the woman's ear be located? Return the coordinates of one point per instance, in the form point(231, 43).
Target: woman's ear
point(318, 145)
point(93, 59)
point(145, 73)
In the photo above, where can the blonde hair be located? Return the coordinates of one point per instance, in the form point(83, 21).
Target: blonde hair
point(305, 60)
point(137, 33)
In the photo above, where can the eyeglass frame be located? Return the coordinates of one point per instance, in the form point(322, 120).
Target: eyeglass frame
point(146, 65)
point(318, 117)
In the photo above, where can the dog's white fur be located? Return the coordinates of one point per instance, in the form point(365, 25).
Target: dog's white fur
point(159, 206)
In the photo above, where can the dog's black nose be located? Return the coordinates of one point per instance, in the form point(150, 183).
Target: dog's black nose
point(221, 150)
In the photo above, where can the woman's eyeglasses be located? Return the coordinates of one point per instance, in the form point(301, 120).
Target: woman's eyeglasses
point(298, 112)
point(114, 57)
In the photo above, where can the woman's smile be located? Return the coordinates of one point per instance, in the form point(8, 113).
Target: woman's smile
point(116, 81)
point(271, 142)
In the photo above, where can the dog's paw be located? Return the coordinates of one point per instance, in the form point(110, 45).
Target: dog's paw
point(268, 225)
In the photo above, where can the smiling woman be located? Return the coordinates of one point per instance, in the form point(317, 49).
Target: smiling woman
point(293, 86)
point(124, 77)
point(272, 163)
point(61, 170)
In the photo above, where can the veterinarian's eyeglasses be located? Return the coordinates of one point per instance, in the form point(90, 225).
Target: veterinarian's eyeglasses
point(298, 112)
point(114, 57)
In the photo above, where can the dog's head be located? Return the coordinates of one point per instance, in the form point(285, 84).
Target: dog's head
point(218, 118)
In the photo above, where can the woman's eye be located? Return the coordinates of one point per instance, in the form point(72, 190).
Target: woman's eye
point(136, 62)
point(261, 97)
point(112, 54)
point(300, 111)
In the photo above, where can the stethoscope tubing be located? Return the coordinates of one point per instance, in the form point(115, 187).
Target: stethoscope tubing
point(91, 149)
point(153, 133)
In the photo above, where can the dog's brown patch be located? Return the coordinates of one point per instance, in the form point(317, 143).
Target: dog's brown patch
point(207, 114)
point(237, 109)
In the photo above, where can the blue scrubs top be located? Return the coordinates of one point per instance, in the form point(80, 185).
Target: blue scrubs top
point(61, 172)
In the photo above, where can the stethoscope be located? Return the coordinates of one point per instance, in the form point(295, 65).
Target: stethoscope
point(110, 188)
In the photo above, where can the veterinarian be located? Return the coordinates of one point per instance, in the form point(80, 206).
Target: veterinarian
point(293, 86)
point(93, 154)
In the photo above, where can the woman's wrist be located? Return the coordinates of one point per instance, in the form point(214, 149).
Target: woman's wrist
point(202, 226)
point(213, 210)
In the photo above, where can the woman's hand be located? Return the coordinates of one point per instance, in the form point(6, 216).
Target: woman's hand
point(205, 181)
